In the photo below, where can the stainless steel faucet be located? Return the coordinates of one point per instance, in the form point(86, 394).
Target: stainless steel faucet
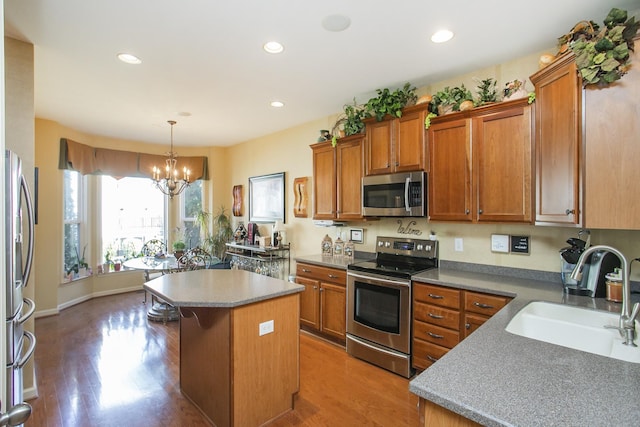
point(627, 325)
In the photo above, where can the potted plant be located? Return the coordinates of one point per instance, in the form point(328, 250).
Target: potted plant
point(449, 99)
point(349, 122)
point(108, 259)
point(486, 91)
point(178, 243)
point(215, 242)
point(602, 56)
point(392, 103)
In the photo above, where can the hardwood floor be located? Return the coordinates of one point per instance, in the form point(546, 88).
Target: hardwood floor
point(102, 363)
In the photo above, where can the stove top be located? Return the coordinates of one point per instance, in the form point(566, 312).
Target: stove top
point(400, 257)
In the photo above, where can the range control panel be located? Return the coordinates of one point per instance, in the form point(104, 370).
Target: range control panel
point(406, 246)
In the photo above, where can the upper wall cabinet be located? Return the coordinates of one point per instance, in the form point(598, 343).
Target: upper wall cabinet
point(481, 164)
point(612, 152)
point(396, 144)
point(337, 179)
point(558, 138)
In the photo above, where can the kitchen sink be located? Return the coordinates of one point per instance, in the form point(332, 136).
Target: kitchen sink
point(574, 327)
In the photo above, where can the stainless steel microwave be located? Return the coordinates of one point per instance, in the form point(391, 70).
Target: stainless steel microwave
point(397, 194)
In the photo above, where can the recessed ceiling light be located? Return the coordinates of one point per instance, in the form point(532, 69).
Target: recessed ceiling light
point(273, 47)
point(129, 58)
point(184, 113)
point(336, 23)
point(277, 104)
point(441, 36)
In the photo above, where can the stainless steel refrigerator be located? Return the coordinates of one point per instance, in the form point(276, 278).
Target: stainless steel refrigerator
point(19, 235)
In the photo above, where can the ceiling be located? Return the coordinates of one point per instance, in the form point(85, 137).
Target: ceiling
point(205, 57)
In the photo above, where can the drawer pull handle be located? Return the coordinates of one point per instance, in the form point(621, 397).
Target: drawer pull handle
point(432, 359)
point(331, 276)
point(481, 305)
point(306, 271)
point(432, 335)
point(467, 325)
point(434, 296)
point(435, 316)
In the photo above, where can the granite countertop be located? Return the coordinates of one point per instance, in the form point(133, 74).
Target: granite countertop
point(500, 379)
point(218, 288)
point(335, 262)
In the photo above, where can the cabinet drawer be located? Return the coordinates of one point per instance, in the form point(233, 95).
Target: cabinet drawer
point(426, 354)
point(435, 334)
point(322, 273)
point(436, 315)
point(483, 303)
point(438, 295)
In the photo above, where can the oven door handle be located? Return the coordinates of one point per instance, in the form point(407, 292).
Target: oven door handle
point(380, 279)
point(359, 341)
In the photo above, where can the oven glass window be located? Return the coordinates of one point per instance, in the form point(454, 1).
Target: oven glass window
point(377, 307)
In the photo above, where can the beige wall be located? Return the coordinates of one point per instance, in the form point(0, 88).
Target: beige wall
point(287, 151)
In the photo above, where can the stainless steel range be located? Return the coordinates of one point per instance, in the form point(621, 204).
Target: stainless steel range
point(379, 301)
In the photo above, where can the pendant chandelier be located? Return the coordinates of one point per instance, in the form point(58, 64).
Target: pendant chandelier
point(170, 184)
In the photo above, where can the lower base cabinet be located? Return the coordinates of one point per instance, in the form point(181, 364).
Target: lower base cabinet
point(442, 317)
point(432, 415)
point(323, 303)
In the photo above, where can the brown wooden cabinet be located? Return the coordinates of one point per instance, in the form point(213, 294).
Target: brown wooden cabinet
point(396, 144)
point(323, 302)
point(481, 163)
point(558, 139)
point(337, 175)
point(442, 317)
point(612, 152)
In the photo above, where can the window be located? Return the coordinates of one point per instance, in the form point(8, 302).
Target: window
point(73, 218)
point(191, 206)
point(133, 212)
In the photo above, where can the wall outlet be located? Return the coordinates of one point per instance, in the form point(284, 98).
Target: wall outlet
point(266, 328)
point(458, 244)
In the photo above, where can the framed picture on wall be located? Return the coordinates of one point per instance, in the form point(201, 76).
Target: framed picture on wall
point(267, 198)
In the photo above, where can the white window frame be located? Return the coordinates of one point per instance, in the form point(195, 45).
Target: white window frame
point(81, 220)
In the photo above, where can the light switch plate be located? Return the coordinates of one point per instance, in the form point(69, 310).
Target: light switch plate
point(458, 244)
point(500, 243)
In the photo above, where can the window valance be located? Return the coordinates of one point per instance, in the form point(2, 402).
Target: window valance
point(117, 163)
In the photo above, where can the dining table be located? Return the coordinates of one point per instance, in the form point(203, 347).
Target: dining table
point(160, 311)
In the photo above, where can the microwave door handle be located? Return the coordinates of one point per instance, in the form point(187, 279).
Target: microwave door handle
point(406, 194)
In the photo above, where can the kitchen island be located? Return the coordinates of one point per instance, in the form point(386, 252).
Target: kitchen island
point(239, 342)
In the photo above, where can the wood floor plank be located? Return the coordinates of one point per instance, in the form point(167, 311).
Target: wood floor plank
point(101, 363)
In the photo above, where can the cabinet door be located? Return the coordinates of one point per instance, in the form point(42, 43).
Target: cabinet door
point(558, 138)
point(408, 150)
point(309, 302)
point(333, 303)
point(378, 147)
point(324, 181)
point(612, 151)
point(450, 171)
point(349, 166)
point(472, 322)
point(502, 165)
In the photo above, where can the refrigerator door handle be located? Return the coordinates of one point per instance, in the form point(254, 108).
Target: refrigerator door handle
point(23, 361)
point(27, 315)
point(30, 221)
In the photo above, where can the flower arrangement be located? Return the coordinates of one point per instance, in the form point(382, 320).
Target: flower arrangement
point(602, 55)
point(514, 89)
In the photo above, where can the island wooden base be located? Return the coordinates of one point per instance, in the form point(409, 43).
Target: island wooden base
point(235, 376)
point(432, 415)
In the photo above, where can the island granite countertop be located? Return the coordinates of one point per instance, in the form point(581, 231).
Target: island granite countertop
point(500, 379)
point(218, 288)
